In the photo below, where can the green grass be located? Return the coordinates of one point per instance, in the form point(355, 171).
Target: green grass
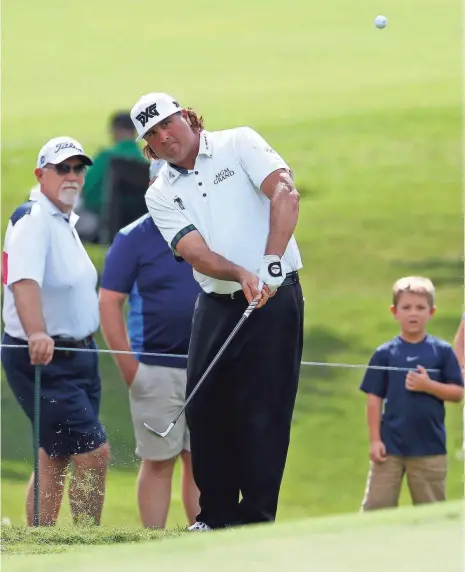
point(369, 120)
point(422, 538)
point(20, 539)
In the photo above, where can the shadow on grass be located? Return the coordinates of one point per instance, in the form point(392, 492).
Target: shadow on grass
point(15, 471)
point(319, 384)
point(306, 192)
point(442, 271)
point(444, 327)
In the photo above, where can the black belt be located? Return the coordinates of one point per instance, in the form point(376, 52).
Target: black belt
point(291, 278)
point(59, 342)
point(68, 343)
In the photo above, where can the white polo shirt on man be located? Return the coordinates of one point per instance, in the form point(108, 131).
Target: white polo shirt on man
point(221, 198)
point(42, 245)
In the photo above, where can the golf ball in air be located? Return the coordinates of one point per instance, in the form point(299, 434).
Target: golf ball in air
point(380, 21)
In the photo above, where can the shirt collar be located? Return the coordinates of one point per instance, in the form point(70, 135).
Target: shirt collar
point(52, 209)
point(205, 148)
point(173, 172)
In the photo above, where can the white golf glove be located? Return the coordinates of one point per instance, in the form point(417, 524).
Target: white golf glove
point(271, 272)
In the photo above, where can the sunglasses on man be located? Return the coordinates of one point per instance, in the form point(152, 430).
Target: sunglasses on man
point(64, 169)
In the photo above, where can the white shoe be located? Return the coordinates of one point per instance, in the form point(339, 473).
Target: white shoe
point(199, 527)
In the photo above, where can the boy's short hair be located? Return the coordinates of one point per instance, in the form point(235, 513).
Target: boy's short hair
point(416, 285)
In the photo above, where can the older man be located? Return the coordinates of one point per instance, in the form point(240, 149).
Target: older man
point(225, 202)
point(50, 299)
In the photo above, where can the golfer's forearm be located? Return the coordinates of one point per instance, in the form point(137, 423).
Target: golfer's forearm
point(216, 266)
point(28, 301)
point(445, 391)
point(284, 213)
point(374, 404)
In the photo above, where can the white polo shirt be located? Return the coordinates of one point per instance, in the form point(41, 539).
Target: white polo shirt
point(221, 198)
point(40, 244)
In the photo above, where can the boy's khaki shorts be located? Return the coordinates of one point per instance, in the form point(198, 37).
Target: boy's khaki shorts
point(426, 479)
point(156, 395)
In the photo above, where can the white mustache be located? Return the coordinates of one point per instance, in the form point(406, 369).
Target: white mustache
point(71, 186)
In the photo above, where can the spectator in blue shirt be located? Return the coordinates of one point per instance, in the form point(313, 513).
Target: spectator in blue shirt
point(405, 409)
point(162, 294)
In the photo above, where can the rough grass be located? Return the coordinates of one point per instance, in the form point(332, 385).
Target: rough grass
point(17, 539)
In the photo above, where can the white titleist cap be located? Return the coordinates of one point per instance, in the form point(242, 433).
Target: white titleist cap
point(151, 109)
point(59, 149)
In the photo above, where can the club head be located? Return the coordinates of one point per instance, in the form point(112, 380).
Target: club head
point(157, 433)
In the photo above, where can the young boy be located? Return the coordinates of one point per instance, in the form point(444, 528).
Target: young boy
point(409, 436)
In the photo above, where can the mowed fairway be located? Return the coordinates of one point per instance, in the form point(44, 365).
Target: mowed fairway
point(370, 122)
point(425, 538)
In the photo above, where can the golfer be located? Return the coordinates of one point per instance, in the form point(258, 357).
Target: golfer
point(225, 202)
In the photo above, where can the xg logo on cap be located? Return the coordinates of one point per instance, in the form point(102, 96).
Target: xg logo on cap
point(274, 269)
point(144, 116)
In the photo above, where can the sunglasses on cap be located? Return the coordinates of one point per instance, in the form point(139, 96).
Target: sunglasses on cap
point(64, 169)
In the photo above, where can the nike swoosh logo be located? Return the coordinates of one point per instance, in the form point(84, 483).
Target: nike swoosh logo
point(412, 358)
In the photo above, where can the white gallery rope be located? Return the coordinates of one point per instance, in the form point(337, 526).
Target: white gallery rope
point(151, 354)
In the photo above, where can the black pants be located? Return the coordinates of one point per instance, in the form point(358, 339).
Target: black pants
point(240, 419)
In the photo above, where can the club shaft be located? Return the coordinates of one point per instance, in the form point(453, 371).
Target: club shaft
point(245, 315)
point(36, 433)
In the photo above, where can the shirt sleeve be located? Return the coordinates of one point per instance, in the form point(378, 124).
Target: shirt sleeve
point(120, 268)
point(451, 371)
point(257, 157)
point(375, 381)
point(26, 250)
point(170, 219)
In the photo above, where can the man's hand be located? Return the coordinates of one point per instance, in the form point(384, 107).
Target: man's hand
point(128, 367)
point(377, 452)
point(41, 348)
point(418, 380)
point(271, 272)
point(253, 287)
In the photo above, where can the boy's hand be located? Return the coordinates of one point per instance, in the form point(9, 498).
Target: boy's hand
point(418, 380)
point(377, 452)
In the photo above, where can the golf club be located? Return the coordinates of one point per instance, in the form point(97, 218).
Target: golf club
point(250, 308)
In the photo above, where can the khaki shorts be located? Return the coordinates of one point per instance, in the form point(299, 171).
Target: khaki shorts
point(156, 395)
point(426, 479)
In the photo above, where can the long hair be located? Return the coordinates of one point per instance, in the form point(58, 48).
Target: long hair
point(196, 126)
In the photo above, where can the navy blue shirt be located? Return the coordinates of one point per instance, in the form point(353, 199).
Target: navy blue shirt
point(162, 292)
point(412, 422)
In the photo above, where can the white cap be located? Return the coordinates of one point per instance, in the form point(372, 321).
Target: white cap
point(59, 149)
point(151, 109)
